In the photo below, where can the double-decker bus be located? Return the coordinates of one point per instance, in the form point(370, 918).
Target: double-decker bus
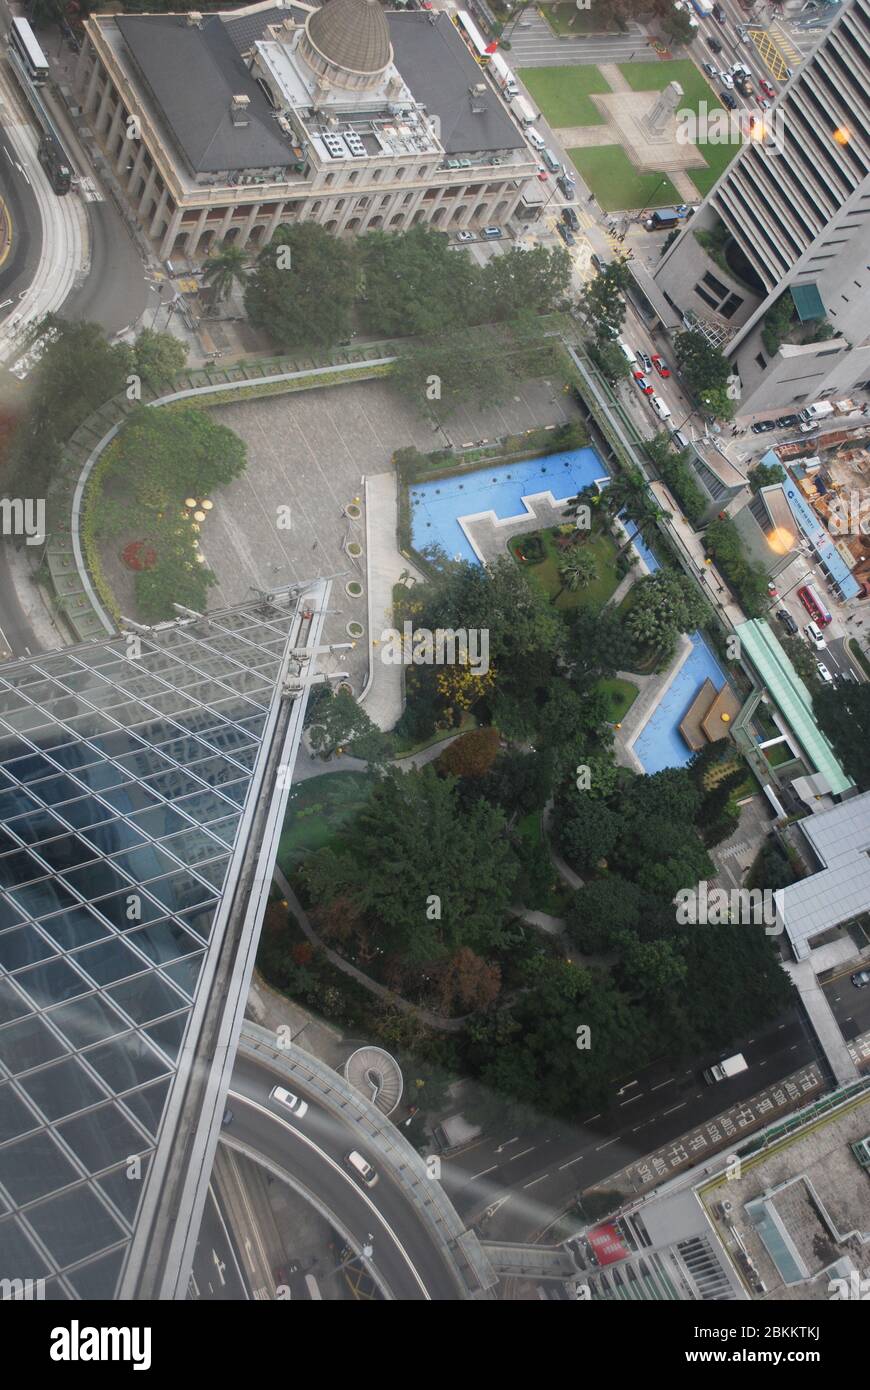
point(53, 158)
point(473, 38)
point(814, 605)
point(24, 48)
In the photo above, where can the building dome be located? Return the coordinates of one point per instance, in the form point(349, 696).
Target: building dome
point(348, 42)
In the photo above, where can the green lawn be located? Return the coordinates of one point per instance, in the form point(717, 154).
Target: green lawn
point(654, 77)
point(317, 810)
point(546, 572)
point(622, 695)
point(563, 93)
point(617, 184)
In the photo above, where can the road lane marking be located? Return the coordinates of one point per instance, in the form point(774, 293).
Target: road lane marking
point(578, 1159)
point(484, 1173)
point(294, 1130)
point(535, 1180)
point(673, 1108)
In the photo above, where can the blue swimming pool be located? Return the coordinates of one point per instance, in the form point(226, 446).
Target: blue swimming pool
point(639, 544)
point(437, 506)
point(660, 743)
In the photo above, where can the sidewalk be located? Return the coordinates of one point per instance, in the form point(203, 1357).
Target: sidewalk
point(383, 695)
point(824, 1025)
point(49, 635)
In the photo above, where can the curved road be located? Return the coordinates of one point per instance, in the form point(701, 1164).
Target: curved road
point(310, 1154)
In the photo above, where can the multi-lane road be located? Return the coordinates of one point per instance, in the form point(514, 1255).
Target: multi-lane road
point(311, 1154)
point(531, 1175)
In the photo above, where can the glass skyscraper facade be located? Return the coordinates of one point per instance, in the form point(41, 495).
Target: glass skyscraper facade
point(127, 766)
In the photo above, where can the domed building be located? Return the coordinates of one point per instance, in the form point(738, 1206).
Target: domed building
point(347, 114)
point(347, 42)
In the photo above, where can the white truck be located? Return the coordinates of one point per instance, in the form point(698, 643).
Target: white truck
point(723, 1071)
point(503, 76)
point(524, 110)
point(819, 411)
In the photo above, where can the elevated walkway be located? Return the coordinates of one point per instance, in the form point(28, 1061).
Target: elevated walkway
point(530, 1261)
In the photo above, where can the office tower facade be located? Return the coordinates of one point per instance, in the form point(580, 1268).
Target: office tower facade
point(140, 805)
point(787, 229)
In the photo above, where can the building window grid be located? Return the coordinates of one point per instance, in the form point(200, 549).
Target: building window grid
point(46, 677)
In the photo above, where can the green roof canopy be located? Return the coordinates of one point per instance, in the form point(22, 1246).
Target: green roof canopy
point(808, 302)
point(792, 697)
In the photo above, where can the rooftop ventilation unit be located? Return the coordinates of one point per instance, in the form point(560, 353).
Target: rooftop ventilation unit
point(354, 144)
point(192, 20)
point(239, 110)
point(334, 146)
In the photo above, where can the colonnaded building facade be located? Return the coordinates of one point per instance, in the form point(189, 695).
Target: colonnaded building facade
point(223, 127)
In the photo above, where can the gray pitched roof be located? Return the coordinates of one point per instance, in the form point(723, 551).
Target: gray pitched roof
point(193, 75)
point(439, 70)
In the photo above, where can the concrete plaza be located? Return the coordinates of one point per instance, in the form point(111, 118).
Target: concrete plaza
point(285, 519)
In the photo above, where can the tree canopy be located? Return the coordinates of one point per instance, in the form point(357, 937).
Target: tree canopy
point(302, 287)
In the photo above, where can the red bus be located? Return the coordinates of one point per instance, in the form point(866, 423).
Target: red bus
point(814, 605)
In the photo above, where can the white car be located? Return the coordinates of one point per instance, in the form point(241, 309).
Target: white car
point(292, 1103)
point(824, 673)
point(661, 409)
point(727, 80)
point(465, 236)
point(814, 635)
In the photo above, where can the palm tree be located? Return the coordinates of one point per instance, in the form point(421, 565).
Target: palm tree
point(646, 515)
point(626, 490)
point(590, 497)
point(222, 269)
point(576, 572)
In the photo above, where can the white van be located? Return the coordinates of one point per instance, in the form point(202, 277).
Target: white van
point(535, 140)
point(361, 1168)
point(662, 411)
point(627, 352)
point(814, 633)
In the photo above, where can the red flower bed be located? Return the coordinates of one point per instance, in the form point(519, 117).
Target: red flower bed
point(139, 556)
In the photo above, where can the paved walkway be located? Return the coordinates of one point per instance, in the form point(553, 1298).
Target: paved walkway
point(614, 78)
point(824, 1024)
point(583, 137)
point(32, 599)
point(436, 1021)
point(718, 593)
point(275, 1011)
point(383, 695)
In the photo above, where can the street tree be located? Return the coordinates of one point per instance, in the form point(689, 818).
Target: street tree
point(441, 374)
point(602, 303)
point(535, 281)
point(284, 293)
point(415, 285)
point(225, 268)
point(765, 474)
point(844, 715)
point(158, 358)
